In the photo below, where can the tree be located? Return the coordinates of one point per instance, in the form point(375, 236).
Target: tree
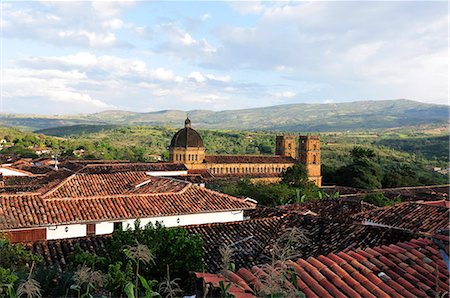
point(363, 172)
point(175, 247)
point(295, 176)
point(400, 175)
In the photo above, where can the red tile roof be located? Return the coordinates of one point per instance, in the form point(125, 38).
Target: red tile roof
point(98, 168)
point(415, 217)
point(32, 210)
point(93, 185)
point(442, 203)
point(254, 239)
point(340, 209)
point(406, 269)
point(249, 159)
point(413, 193)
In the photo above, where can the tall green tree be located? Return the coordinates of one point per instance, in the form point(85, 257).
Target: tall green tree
point(363, 172)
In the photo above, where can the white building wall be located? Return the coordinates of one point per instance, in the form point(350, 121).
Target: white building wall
point(66, 231)
point(104, 228)
point(189, 219)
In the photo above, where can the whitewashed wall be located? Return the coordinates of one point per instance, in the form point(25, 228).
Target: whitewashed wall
point(104, 228)
point(60, 232)
point(189, 219)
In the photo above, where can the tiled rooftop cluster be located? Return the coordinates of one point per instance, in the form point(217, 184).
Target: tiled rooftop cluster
point(405, 269)
point(24, 211)
point(56, 253)
point(104, 168)
point(93, 185)
point(416, 193)
point(416, 217)
point(339, 210)
point(252, 240)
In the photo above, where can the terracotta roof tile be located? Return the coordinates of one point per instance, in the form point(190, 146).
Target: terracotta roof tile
point(253, 239)
point(94, 185)
point(410, 216)
point(341, 275)
point(31, 210)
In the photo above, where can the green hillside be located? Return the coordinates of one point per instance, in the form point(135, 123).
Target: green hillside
point(419, 147)
point(361, 115)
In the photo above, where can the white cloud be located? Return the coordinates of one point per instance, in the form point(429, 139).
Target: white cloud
point(205, 17)
point(179, 43)
point(54, 85)
point(200, 78)
point(285, 95)
point(373, 49)
point(112, 66)
point(68, 24)
point(247, 7)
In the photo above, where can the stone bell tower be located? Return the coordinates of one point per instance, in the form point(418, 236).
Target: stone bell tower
point(309, 155)
point(285, 146)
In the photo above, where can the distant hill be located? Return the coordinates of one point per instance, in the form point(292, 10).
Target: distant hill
point(360, 115)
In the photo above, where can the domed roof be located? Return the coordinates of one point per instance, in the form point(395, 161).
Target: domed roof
point(187, 137)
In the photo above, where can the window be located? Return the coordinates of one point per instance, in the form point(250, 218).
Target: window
point(314, 147)
point(314, 159)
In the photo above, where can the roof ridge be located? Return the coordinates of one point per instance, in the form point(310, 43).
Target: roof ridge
point(58, 186)
point(222, 194)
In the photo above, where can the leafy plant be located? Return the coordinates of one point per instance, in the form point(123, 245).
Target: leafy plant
point(30, 287)
point(170, 287)
point(7, 280)
point(139, 253)
point(87, 280)
point(224, 290)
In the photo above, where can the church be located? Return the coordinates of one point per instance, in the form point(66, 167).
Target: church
point(187, 147)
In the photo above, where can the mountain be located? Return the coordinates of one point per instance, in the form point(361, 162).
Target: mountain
point(360, 115)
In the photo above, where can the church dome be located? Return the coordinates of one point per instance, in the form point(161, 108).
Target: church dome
point(187, 137)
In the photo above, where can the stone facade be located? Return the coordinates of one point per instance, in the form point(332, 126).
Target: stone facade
point(309, 155)
point(285, 146)
point(187, 148)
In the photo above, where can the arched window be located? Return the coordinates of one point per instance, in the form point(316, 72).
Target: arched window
point(314, 147)
point(314, 159)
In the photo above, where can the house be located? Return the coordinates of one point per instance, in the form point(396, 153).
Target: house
point(98, 198)
point(41, 150)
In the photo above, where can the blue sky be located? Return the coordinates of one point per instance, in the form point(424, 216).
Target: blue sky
point(67, 57)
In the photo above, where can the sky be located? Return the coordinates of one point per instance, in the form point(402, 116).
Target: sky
point(66, 57)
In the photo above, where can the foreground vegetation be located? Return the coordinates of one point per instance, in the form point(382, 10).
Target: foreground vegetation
point(149, 261)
